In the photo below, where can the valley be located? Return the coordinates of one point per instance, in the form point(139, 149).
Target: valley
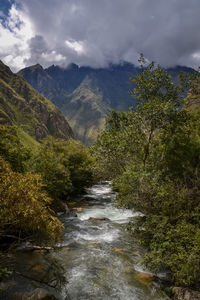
point(86, 95)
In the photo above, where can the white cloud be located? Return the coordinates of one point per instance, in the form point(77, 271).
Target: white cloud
point(96, 33)
point(14, 37)
point(77, 46)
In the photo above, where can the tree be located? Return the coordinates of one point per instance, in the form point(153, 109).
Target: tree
point(152, 154)
point(65, 167)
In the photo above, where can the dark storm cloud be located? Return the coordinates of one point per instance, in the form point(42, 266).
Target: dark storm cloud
point(96, 33)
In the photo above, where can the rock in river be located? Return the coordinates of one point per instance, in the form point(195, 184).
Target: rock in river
point(37, 294)
point(98, 219)
point(145, 277)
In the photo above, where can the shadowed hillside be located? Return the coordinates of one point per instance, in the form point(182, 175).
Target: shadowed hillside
point(86, 95)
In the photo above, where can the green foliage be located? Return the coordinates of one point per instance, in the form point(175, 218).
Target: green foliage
point(35, 176)
point(153, 154)
point(12, 149)
point(175, 246)
point(24, 206)
point(65, 167)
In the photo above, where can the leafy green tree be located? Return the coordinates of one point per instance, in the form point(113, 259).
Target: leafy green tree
point(65, 167)
point(50, 163)
point(152, 154)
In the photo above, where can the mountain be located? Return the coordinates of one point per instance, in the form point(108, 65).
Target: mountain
point(86, 95)
point(34, 115)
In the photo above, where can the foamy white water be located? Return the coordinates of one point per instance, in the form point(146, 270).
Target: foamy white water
point(101, 257)
point(110, 212)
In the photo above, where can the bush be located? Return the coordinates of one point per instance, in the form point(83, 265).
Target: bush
point(24, 206)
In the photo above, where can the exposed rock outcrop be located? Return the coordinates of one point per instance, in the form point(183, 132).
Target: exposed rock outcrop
point(37, 294)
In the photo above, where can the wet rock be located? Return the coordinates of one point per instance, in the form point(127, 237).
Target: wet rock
point(77, 209)
point(38, 268)
point(93, 245)
point(98, 219)
point(185, 294)
point(5, 285)
point(29, 246)
point(37, 294)
point(144, 277)
point(63, 248)
point(14, 290)
point(41, 294)
point(42, 268)
point(118, 250)
point(42, 251)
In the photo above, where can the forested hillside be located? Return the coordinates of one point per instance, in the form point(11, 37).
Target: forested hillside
point(152, 154)
point(41, 165)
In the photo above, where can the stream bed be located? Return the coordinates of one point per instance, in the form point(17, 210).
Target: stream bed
point(98, 258)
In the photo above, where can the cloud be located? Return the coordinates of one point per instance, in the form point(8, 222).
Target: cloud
point(97, 33)
point(14, 38)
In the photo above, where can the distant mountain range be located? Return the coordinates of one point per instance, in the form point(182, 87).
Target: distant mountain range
point(34, 116)
point(86, 95)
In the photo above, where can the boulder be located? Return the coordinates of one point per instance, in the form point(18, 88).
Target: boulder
point(144, 277)
point(98, 219)
point(185, 294)
point(38, 294)
point(118, 250)
point(77, 209)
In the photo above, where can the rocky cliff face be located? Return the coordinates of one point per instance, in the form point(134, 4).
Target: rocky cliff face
point(21, 105)
point(86, 95)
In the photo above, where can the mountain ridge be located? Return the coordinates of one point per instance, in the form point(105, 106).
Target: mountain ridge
point(24, 107)
point(86, 95)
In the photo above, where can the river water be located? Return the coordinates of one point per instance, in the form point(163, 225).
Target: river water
point(100, 258)
point(97, 259)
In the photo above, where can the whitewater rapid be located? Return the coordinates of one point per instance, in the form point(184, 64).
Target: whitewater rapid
point(100, 257)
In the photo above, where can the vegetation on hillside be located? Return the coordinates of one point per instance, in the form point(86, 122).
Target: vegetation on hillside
point(40, 164)
point(21, 105)
point(152, 154)
point(65, 167)
point(86, 95)
point(24, 206)
point(34, 181)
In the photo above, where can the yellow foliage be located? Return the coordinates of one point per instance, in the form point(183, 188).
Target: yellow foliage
point(24, 205)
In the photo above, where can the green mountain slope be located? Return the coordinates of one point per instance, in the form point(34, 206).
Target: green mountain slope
point(86, 111)
point(86, 95)
point(34, 115)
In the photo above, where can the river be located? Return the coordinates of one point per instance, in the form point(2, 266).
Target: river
point(97, 259)
point(101, 259)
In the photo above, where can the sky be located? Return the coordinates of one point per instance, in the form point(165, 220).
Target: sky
point(97, 33)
